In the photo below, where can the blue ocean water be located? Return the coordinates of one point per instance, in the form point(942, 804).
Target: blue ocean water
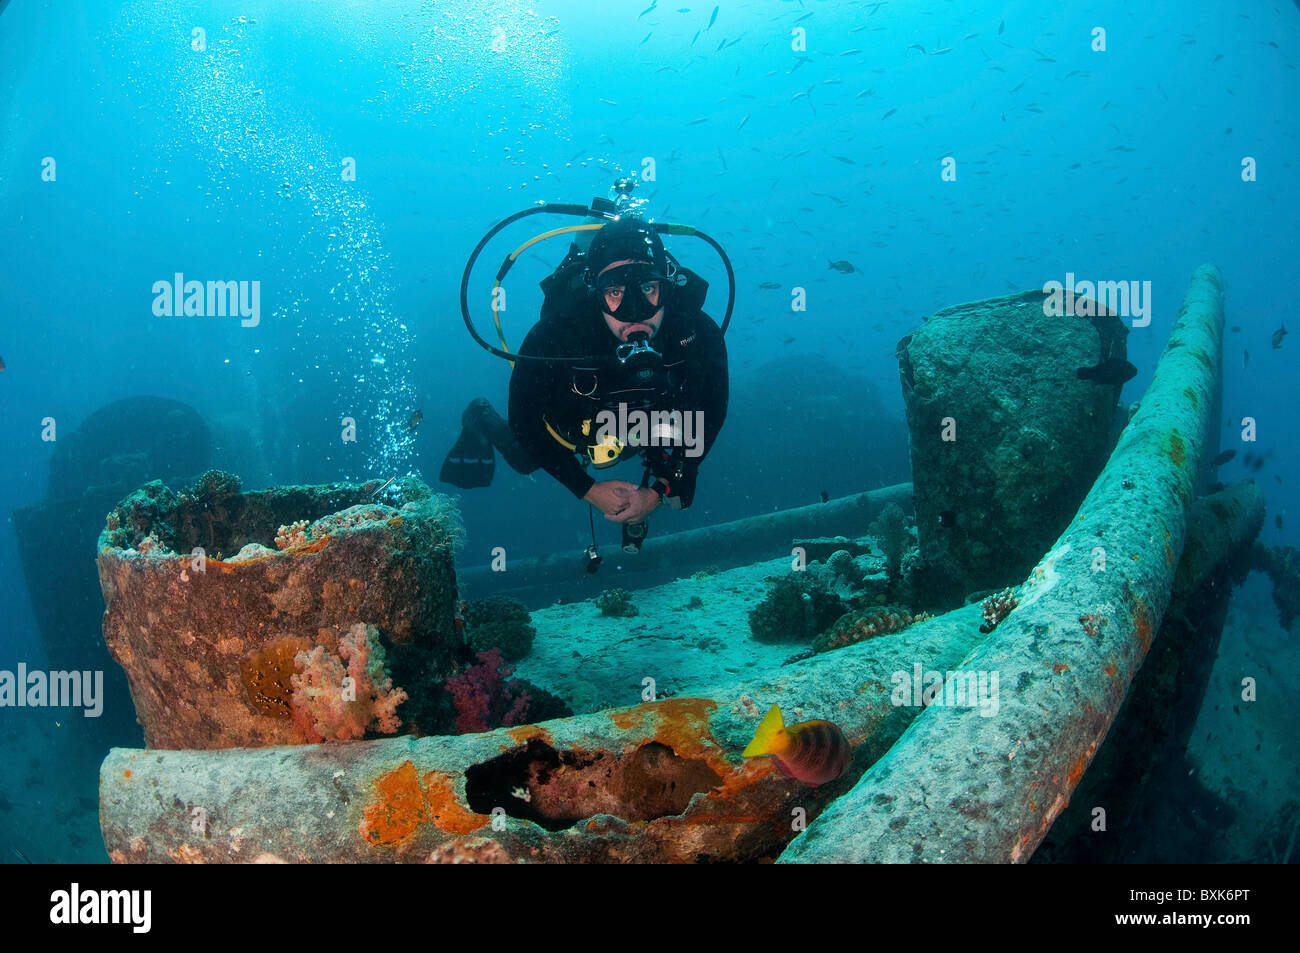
point(216, 140)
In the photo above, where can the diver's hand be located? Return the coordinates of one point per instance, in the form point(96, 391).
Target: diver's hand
point(610, 497)
point(641, 503)
point(620, 501)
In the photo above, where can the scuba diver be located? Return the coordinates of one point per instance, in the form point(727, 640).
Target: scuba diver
point(650, 357)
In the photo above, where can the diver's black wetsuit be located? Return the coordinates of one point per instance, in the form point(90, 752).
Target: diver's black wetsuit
point(693, 378)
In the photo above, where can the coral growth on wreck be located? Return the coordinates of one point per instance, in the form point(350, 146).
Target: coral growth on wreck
point(797, 607)
point(267, 676)
point(483, 697)
point(617, 603)
point(486, 697)
point(996, 608)
point(500, 623)
point(891, 530)
point(842, 566)
point(862, 624)
point(331, 702)
point(150, 545)
point(350, 518)
point(215, 485)
point(1093, 624)
point(291, 536)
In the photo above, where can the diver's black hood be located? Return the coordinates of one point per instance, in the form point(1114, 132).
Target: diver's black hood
point(626, 239)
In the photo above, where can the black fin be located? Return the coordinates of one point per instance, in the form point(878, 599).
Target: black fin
point(471, 461)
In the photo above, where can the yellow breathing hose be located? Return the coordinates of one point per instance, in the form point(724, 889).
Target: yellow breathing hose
point(514, 256)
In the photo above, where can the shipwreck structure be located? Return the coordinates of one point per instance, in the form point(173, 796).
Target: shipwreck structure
point(213, 592)
point(929, 781)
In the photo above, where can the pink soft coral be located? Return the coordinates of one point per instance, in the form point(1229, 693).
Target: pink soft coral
point(484, 699)
point(331, 703)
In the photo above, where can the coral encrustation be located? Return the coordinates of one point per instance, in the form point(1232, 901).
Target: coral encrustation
point(996, 608)
point(334, 703)
point(617, 603)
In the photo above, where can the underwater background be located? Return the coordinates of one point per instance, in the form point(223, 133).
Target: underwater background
point(224, 163)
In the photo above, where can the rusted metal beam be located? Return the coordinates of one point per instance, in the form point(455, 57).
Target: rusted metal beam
point(663, 781)
point(962, 786)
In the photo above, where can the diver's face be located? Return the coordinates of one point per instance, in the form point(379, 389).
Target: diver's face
point(616, 302)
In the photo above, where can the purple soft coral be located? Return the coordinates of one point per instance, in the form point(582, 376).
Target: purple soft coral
point(484, 699)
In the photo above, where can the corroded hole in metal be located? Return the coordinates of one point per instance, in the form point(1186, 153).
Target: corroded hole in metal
point(561, 788)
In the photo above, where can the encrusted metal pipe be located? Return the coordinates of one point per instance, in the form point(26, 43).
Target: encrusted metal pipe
point(541, 580)
point(964, 786)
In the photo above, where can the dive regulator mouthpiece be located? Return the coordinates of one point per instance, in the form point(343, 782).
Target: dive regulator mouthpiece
point(638, 345)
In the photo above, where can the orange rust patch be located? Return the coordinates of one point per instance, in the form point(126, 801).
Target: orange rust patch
point(400, 809)
point(314, 546)
point(445, 809)
point(1076, 770)
point(739, 777)
point(1110, 669)
point(1177, 448)
point(629, 719)
point(231, 567)
point(683, 725)
point(127, 774)
point(1142, 625)
point(395, 521)
point(1060, 667)
point(526, 733)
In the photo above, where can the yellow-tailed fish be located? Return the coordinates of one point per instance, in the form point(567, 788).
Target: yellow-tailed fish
point(814, 752)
